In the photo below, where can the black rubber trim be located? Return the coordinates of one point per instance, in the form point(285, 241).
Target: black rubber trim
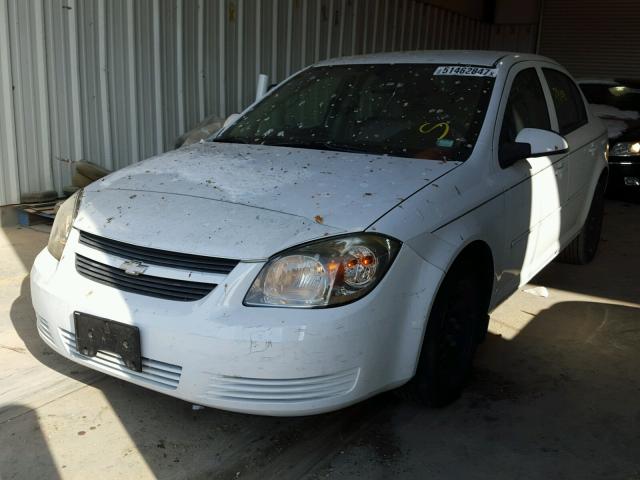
point(183, 261)
point(169, 289)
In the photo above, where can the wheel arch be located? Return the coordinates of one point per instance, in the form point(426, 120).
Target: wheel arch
point(478, 254)
point(604, 176)
point(599, 180)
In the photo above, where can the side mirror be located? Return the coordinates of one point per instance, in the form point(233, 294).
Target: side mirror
point(231, 119)
point(532, 142)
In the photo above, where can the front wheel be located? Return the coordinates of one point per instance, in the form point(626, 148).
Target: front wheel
point(583, 248)
point(453, 332)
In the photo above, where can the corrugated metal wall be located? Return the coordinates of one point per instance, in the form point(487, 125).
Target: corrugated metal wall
point(116, 81)
point(592, 38)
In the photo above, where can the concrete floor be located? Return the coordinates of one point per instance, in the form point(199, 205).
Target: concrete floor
point(555, 394)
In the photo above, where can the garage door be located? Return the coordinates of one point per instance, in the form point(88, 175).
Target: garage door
point(593, 38)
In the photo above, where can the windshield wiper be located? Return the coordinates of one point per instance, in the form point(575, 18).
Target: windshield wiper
point(231, 140)
point(334, 147)
point(320, 146)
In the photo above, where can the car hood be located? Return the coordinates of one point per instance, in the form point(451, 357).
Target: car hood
point(248, 201)
point(622, 125)
point(632, 134)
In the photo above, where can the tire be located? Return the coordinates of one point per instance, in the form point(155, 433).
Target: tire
point(583, 248)
point(454, 330)
point(91, 171)
point(203, 130)
point(39, 197)
point(69, 190)
point(80, 181)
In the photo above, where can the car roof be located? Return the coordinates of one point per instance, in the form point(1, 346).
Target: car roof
point(484, 58)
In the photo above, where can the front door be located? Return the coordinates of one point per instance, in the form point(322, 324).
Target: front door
point(535, 187)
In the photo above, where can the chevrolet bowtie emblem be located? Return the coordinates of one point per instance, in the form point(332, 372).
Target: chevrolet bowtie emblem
point(133, 267)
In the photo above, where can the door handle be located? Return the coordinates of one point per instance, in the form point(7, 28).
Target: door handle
point(592, 149)
point(558, 168)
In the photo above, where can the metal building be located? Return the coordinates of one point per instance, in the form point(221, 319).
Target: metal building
point(593, 38)
point(116, 81)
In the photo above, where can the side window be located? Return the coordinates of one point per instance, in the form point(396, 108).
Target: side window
point(526, 106)
point(567, 100)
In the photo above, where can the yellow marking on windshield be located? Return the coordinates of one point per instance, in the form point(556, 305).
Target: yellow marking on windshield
point(425, 128)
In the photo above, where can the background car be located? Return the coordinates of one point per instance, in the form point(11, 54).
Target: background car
point(617, 103)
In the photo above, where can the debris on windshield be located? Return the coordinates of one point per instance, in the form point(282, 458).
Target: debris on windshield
point(319, 219)
point(379, 109)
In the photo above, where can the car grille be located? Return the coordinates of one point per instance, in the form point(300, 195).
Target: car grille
point(155, 256)
point(152, 286)
point(225, 387)
point(154, 372)
point(43, 328)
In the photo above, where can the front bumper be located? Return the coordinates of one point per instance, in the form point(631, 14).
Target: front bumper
point(621, 172)
point(218, 353)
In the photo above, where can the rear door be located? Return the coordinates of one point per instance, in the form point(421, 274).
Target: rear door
point(570, 114)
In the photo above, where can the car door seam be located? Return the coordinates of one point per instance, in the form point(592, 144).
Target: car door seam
point(496, 196)
point(411, 195)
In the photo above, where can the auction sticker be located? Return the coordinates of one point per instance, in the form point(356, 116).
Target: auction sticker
point(466, 71)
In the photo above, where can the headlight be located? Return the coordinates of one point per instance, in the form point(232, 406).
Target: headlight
point(625, 149)
point(62, 224)
point(324, 273)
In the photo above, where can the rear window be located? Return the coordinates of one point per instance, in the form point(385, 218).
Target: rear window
point(567, 100)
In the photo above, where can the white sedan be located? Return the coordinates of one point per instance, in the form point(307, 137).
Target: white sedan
point(347, 234)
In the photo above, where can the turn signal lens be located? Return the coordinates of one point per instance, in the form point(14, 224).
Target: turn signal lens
point(360, 268)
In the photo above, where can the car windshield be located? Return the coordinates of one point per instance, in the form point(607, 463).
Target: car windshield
point(407, 110)
point(620, 96)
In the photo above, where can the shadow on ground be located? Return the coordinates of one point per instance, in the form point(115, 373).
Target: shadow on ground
point(23, 320)
point(614, 272)
point(24, 451)
point(559, 400)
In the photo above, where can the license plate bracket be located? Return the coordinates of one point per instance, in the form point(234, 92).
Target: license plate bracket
point(95, 333)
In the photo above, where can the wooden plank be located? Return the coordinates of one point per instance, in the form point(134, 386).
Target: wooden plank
point(44, 211)
point(34, 213)
point(40, 204)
